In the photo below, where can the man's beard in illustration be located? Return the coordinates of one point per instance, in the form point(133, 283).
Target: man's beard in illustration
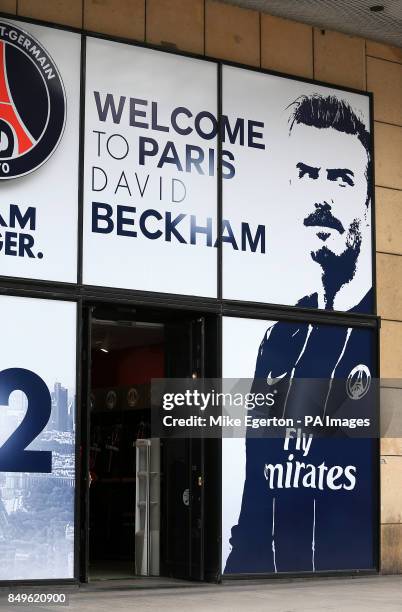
point(338, 270)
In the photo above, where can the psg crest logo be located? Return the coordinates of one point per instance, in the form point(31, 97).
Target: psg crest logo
point(32, 103)
point(358, 382)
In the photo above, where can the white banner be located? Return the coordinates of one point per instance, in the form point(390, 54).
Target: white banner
point(150, 194)
point(39, 137)
point(37, 438)
point(305, 184)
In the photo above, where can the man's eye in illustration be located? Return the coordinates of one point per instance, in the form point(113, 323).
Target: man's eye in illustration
point(342, 176)
point(310, 171)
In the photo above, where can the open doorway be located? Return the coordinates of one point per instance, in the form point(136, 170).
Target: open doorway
point(144, 508)
point(125, 357)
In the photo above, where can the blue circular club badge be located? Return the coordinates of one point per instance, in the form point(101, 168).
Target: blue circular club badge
point(32, 103)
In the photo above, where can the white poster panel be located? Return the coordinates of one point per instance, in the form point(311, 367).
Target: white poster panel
point(37, 438)
point(302, 183)
point(39, 141)
point(150, 186)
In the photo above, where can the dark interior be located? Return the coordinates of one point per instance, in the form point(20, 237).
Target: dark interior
point(128, 348)
point(125, 356)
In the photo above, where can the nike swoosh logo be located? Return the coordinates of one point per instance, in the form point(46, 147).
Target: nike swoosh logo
point(273, 381)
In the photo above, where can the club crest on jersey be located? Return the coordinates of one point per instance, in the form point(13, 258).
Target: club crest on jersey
point(358, 382)
point(32, 103)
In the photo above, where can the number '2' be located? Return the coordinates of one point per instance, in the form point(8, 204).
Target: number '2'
point(13, 456)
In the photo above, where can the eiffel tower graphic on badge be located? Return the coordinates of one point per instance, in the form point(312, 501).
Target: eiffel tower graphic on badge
point(358, 382)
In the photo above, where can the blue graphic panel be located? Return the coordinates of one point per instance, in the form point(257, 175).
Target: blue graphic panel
point(308, 503)
point(37, 439)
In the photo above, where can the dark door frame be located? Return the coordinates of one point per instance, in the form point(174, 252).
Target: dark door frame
point(133, 311)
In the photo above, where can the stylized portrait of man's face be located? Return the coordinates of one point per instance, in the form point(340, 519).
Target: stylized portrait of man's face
point(329, 184)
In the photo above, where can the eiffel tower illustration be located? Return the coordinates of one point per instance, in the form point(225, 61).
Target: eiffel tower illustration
point(358, 386)
point(15, 138)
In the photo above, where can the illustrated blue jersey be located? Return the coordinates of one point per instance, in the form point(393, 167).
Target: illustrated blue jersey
point(320, 518)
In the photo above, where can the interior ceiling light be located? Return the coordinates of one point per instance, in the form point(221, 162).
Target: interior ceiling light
point(377, 8)
point(134, 324)
point(104, 350)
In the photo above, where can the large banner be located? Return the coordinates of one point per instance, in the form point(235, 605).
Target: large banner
point(37, 438)
point(296, 182)
point(300, 502)
point(150, 192)
point(307, 184)
point(296, 173)
point(39, 136)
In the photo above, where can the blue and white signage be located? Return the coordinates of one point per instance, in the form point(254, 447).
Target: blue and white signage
point(37, 438)
point(296, 180)
point(296, 174)
point(308, 185)
point(150, 183)
point(39, 136)
point(301, 502)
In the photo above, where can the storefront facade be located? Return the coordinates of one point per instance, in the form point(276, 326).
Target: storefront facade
point(166, 184)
